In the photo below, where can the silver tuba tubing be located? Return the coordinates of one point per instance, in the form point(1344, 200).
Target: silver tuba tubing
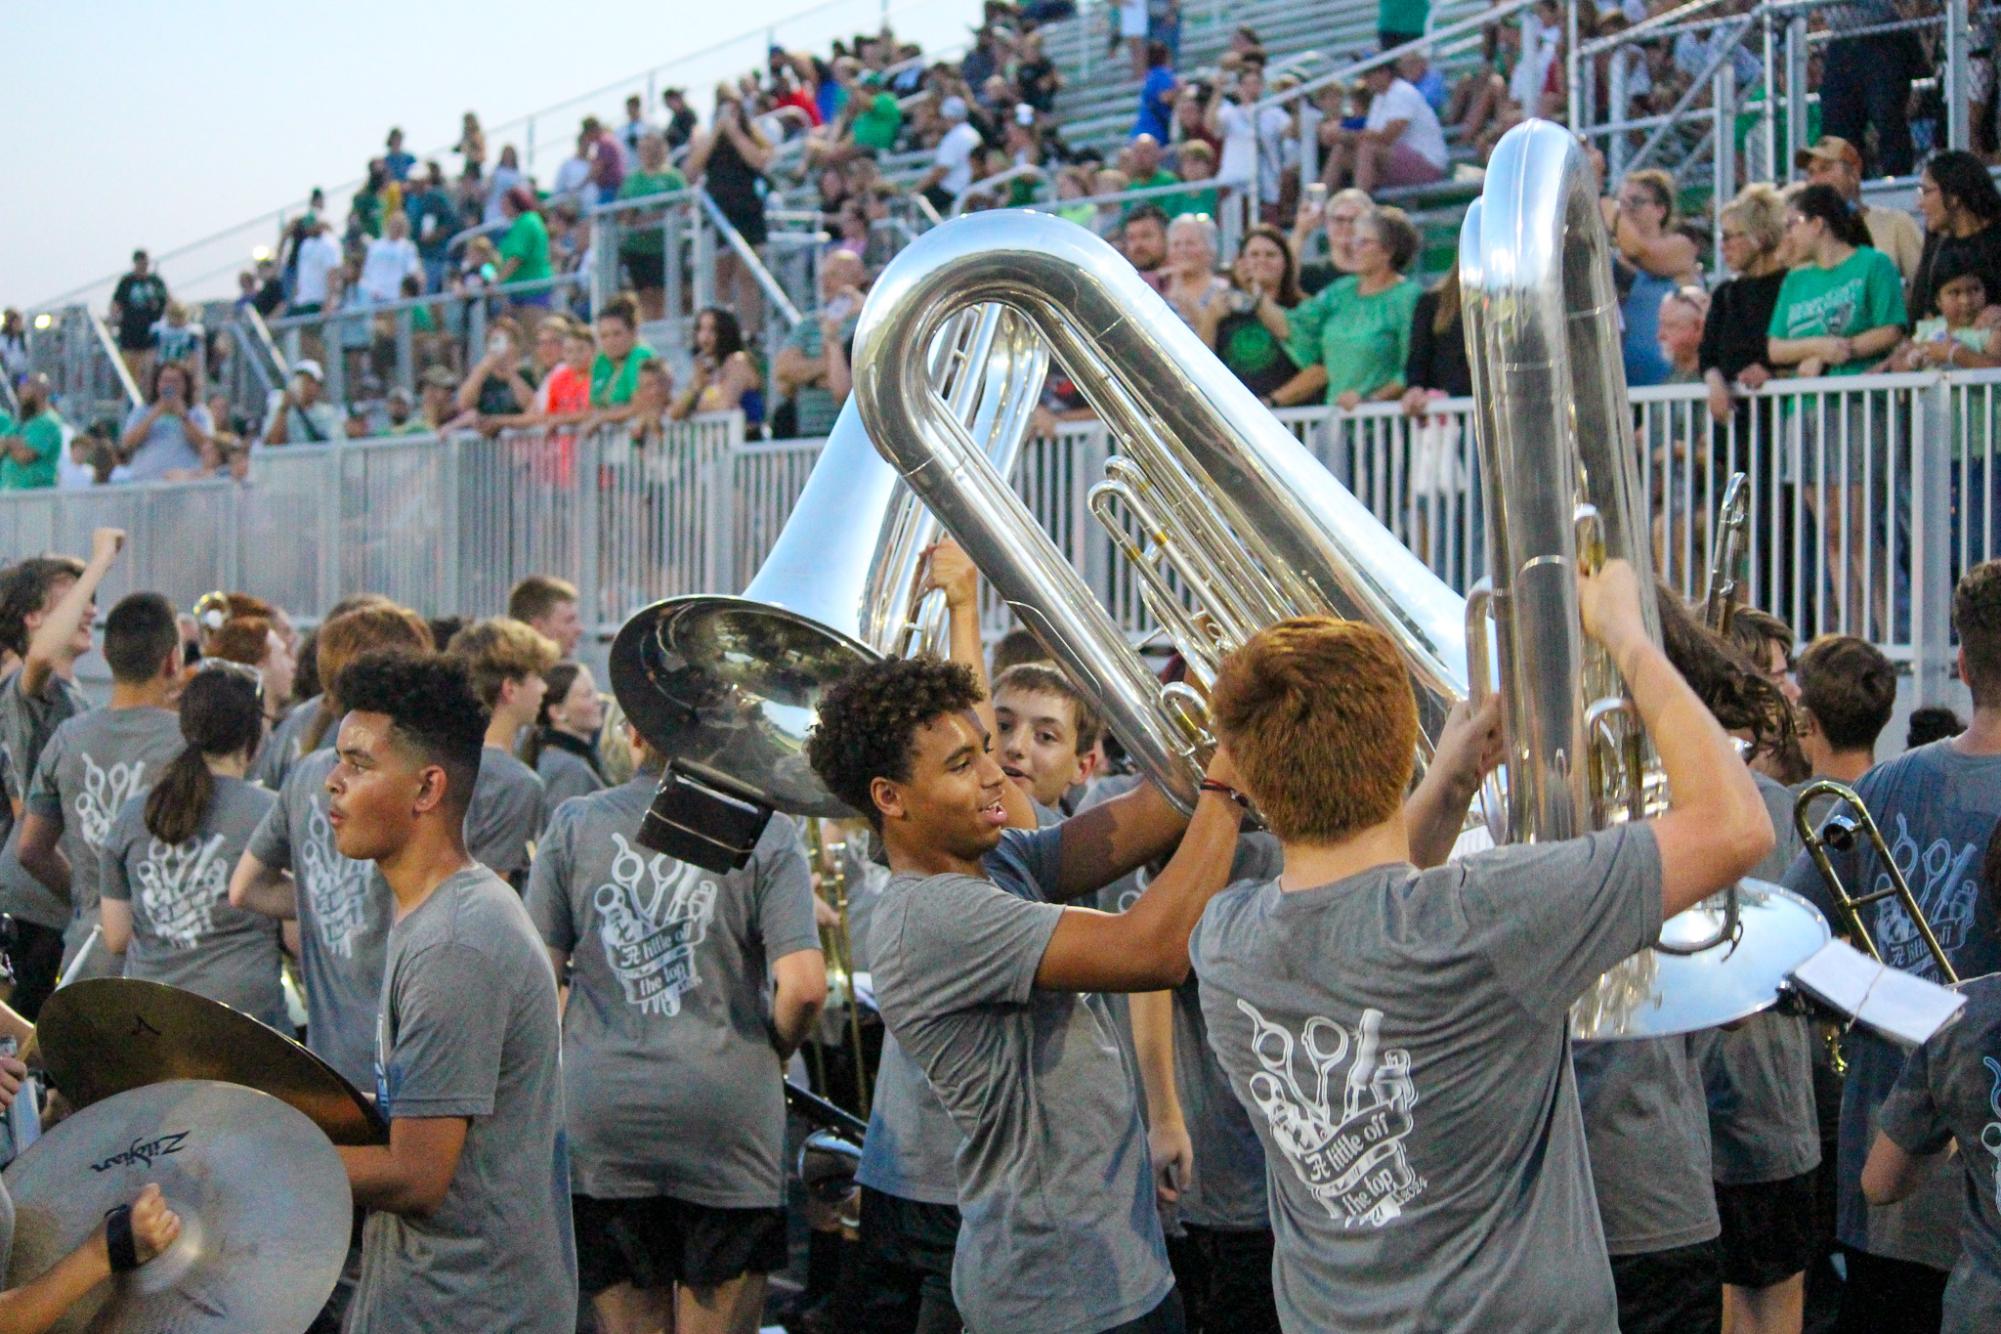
point(1562, 489)
point(1217, 477)
point(727, 687)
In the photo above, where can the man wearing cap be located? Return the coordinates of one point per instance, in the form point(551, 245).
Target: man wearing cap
point(952, 163)
point(1834, 161)
point(301, 415)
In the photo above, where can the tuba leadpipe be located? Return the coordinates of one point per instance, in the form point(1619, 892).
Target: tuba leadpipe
point(1839, 832)
point(1213, 493)
point(1727, 550)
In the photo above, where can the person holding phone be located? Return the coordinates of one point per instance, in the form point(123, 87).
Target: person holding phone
point(812, 370)
point(165, 438)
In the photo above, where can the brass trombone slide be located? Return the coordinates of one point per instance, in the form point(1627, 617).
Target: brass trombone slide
point(1839, 832)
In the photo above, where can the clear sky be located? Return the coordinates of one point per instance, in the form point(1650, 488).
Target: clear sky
point(134, 123)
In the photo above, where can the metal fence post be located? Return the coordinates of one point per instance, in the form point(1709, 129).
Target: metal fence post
point(1931, 542)
point(719, 480)
point(1957, 132)
point(451, 589)
point(590, 553)
point(1796, 58)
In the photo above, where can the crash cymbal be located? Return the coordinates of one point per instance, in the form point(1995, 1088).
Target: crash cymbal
point(263, 1200)
point(105, 1035)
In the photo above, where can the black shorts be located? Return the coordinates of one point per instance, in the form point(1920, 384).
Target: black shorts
point(1676, 1291)
point(1768, 1230)
point(904, 1270)
point(646, 269)
point(1224, 1277)
point(659, 1241)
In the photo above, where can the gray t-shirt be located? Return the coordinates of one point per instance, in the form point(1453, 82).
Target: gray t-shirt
point(184, 932)
point(283, 747)
point(505, 815)
point(166, 445)
point(669, 972)
point(26, 723)
point(1936, 808)
point(1399, 1040)
point(94, 763)
point(1758, 1077)
point(1058, 1230)
point(1227, 1189)
point(344, 912)
point(1646, 1122)
point(565, 774)
point(469, 1028)
point(1951, 1090)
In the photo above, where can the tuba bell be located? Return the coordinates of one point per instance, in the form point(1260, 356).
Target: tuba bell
point(1562, 490)
point(1230, 522)
point(728, 687)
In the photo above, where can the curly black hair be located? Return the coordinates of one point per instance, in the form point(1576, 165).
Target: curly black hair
point(869, 720)
point(1725, 679)
point(428, 697)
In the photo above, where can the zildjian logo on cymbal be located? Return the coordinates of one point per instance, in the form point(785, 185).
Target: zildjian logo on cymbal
point(144, 1151)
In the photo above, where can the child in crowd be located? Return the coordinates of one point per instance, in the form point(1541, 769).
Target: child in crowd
point(1047, 732)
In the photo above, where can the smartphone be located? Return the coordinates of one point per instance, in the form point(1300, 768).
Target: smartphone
point(1316, 196)
point(840, 308)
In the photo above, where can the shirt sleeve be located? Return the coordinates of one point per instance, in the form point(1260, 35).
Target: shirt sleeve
point(1886, 293)
point(1911, 1115)
point(271, 841)
point(965, 942)
point(451, 1019)
point(548, 893)
point(1709, 353)
point(112, 880)
point(1551, 917)
point(784, 892)
point(1307, 318)
point(43, 798)
point(1782, 308)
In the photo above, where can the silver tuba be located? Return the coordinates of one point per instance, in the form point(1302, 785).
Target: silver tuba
point(1214, 499)
point(727, 687)
point(1562, 486)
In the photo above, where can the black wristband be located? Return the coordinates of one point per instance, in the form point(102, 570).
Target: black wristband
point(1224, 789)
point(119, 1243)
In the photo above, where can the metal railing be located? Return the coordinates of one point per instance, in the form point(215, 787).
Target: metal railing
point(1869, 494)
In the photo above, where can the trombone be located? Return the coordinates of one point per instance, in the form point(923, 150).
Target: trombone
point(837, 942)
point(1839, 833)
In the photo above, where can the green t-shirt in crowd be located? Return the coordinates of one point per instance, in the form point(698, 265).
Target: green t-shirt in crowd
point(1861, 293)
point(1159, 178)
point(642, 228)
point(1362, 341)
point(1402, 15)
point(44, 434)
point(613, 386)
point(527, 241)
point(876, 125)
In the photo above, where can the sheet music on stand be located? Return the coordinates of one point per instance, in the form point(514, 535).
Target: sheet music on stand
point(1897, 1005)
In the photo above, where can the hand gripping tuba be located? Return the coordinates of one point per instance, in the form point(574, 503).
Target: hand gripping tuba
point(1213, 494)
point(727, 687)
point(1562, 486)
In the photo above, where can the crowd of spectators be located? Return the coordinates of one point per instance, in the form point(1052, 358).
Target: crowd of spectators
point(1321, 303)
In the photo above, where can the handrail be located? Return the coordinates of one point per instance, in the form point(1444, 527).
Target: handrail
point(285, 323)
point(1426, 43)
point(109, 346)
point(983, 186)
point(248, 316)
point(1653, 26)
point(748, 257)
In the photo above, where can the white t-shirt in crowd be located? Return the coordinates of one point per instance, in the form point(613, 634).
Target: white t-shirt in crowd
point(955, 154)
point(572, 176)
point(1402, 101)
point(1132, 18)
point(385, 266)
point(318, 256)
point(1240, 142)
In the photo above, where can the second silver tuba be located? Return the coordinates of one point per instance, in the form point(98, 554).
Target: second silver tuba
point(1562, 487)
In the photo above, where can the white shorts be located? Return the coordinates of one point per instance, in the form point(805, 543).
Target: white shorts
point(1132, 18)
